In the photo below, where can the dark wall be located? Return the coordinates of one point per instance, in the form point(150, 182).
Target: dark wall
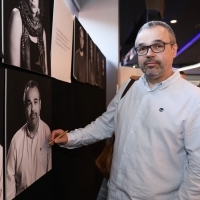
point(74, 174)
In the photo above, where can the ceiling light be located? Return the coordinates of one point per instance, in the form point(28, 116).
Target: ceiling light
point(173, 21)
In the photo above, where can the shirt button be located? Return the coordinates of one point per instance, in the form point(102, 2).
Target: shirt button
point(140, 112)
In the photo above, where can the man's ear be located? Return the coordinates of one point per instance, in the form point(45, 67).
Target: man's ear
point(174, 48)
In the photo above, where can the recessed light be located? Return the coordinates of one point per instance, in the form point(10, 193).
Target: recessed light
point(173, 21)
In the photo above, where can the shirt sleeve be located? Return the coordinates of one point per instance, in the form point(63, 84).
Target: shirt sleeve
point(101, 128)
point(190, 187)
point(10, 174)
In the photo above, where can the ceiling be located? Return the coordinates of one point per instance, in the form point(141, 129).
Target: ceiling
point(134, 13)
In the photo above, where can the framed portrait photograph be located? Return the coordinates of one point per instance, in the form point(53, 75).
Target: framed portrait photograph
point(28, 154)
point(2, 132)
point(98, 66)
point(80, 70)
point(1, 54)
point(102, 72)
point(91, 61)
point(27, 34)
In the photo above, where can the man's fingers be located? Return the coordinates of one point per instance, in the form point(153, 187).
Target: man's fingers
point(55, 133)
point(61, 140)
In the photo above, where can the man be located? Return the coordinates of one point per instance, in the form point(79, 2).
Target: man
point(182, 73)
point(80, 64)
point(91, 66)
point(29, 155)
point(157, 127)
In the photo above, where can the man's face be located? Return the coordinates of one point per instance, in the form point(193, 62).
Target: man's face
point(81, 39)
point(33, 6)
point(156, 65)
point(32, 107)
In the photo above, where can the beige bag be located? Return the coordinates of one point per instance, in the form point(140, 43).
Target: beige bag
point(104, 161)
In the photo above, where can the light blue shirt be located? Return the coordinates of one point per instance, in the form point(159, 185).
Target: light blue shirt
point(157, 141)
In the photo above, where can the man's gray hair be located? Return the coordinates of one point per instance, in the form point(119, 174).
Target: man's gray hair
point(152, 24)
point(30, 84)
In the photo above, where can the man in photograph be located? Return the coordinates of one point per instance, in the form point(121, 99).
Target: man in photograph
point(80, 64)
point(29, 155)
point(91, 69)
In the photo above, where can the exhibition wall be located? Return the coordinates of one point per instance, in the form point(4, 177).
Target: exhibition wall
point(60, 104)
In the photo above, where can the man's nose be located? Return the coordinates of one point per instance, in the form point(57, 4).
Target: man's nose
point(32, 107)
point(150, 52)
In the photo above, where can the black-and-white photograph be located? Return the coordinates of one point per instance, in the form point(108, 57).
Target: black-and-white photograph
point(1, 54)
point(80, 71)
point(29, 155)
point(2, 117)
point(27, 34)
point(102, 72)
point(98, 66)
point(91, 61)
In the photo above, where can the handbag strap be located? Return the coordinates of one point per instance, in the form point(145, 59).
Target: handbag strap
point(133, 79)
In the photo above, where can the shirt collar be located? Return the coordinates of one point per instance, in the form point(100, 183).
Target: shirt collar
point(164, 84)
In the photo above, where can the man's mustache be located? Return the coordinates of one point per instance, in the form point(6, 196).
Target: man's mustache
point(33, 114)
point(151, 60)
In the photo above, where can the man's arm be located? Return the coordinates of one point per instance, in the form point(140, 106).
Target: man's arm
point(10, 174)
point(190, 187)
point(100, 129)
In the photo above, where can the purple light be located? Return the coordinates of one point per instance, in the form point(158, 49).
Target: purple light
point(188, 44)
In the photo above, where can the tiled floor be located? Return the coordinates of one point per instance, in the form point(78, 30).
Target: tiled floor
point(103, 193)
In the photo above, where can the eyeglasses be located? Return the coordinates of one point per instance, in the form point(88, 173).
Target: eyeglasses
point(156, 48)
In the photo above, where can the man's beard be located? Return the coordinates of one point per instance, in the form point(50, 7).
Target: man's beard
point(152, 71)
point(32, 123)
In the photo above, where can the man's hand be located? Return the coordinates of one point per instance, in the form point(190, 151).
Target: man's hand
point(55, 134)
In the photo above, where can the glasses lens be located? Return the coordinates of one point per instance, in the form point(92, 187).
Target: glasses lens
point(158, 47)
point(142, 50)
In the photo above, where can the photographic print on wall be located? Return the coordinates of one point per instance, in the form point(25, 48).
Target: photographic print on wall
point(27, 34)
point(28, 155)
point(91, 61)
point(80, 71)
point(2, 117)
point(1, 54)
point(102, 72)
point(98, 66)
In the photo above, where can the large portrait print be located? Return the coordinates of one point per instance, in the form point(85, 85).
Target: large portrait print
point(91, 61)
point(2, 117)
point(27, 34)
point(102, 72)
point(80, 71)
point(28, 154)
point(1, 54)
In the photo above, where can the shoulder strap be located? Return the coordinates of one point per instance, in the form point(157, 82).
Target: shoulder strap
point(128, 86)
